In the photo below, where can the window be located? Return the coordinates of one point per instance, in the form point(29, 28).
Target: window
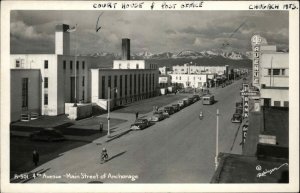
point(82, 83)
point(143, 83)
point(46, 64)
point(276, 71)
point(18, 63)
point(269, 72)
point(139, 82)
point(121, 86)
point(130, 83)
point(46, 82)
point(83, 65)
point(283, 72)
point(120, 65)
point(109, 81)
point(103, 87)
point(115, 85)
point(137, 66)
point(134, 84)
point(45, 99)
point(128, 65)
point(82, 95)
point(277, 103)
point(125, 85)
point(286, 103)
point(71, 65)
point(146, 82)
point(77, 65)
point(24, 92)
point(64, 64)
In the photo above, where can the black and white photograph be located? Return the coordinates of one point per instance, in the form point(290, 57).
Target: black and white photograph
point(164, 93)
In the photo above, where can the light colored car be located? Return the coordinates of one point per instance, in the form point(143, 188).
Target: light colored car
point(157, 117)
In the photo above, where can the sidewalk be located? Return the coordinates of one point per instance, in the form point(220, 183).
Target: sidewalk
point(120, 129)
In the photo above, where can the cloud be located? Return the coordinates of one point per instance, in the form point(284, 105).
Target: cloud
point(170, 32)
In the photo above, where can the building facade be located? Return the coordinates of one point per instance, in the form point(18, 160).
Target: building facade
point(194, 69)
point(190, 80)
point(122, 86)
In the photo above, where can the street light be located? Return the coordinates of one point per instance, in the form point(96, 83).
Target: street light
point(108, 110)
point(217, 137)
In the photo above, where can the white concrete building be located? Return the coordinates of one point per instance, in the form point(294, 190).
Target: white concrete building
point(193, 69)
point(57, 78)
point(190, 80)
point(274, 79)
point(133, 64)
point(270, 73)
point(122, 86)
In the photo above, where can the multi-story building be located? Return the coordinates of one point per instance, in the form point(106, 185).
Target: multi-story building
point(128, 81)
point(190, 80)
point(61, 76)
point(270, 73)
point(194, 69)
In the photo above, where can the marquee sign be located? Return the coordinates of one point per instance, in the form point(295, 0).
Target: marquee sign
point(244, 92)
point(256, 40)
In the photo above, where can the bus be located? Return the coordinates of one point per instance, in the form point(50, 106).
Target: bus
point(208, 99)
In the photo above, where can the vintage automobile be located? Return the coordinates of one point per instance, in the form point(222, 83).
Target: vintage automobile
point(157, 117)
point(196, 97)
point(176, 107)
point(47, 134)
point(169, 110)
point(236, 118)
point(181, 104)
point(140, 124)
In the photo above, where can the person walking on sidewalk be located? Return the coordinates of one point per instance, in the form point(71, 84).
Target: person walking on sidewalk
point(101, 127)
point(35, 157)
point(136, 115)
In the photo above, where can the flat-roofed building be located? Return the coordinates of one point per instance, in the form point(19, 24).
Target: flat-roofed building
point(122, 86)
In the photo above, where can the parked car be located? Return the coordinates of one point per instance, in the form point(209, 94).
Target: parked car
point(196, 97)
point(239, 111)
point(181, 104)
point(191, 100)
point(47, 134)
point(140, 124)
point(186, 102)
point(164, 113)
point(169, 110)
point(236, 118)
point(176, 107)
point(157, 117)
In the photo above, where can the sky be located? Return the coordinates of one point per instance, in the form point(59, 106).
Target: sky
point(149, 31)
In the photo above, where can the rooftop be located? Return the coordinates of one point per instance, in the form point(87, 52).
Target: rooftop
point(248, 169)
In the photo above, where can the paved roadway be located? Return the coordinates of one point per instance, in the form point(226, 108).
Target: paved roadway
point(180, 149)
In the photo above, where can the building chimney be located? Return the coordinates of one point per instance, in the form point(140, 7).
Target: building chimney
point(125, 49)
point(62, 40)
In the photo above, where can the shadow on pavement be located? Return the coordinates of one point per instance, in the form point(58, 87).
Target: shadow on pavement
point(95, 182)
point(117, 155)
point(118, 135)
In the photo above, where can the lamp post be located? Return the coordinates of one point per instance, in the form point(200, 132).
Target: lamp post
point(108, 110)
point(217, 140)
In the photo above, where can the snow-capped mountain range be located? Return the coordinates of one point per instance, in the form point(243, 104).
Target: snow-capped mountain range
point(183, 54)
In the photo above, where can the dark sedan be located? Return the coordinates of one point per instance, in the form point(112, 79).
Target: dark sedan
point(140, 124)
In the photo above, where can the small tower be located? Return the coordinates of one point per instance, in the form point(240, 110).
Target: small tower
point(62, 40)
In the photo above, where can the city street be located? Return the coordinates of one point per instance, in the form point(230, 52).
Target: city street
point(180, 149)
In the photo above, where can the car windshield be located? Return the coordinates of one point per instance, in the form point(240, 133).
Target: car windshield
point(236, 115)
point(140, 121)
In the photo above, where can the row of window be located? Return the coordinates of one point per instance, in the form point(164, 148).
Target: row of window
point(194, 78)
point(135, 84)
point(71, 64)
point(277, 72)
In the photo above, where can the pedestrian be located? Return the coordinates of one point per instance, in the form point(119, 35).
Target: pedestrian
point(136, 115)
point(101, 127)
point(35, 157)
